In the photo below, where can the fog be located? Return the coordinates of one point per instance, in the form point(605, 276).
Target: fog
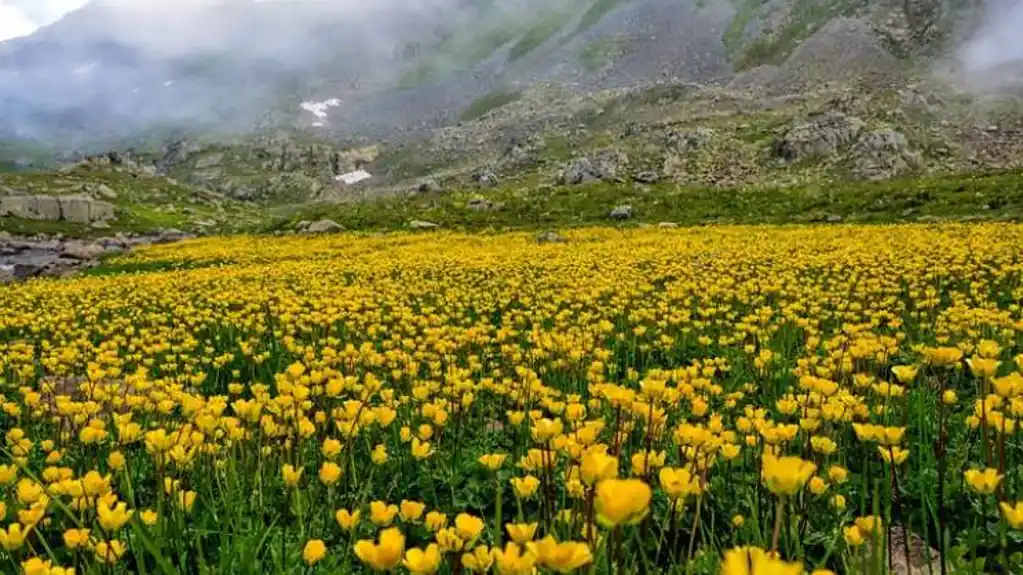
point(999, 39)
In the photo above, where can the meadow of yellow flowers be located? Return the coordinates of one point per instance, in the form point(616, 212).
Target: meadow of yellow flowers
point(728, 401)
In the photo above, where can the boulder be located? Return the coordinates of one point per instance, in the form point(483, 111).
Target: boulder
point(583, 170)
point(622, 212)
point(82, 209)
point(106, 192)
point(100, 225)
point(209, 161)
point(55, 208)
point(429, 185)
point(323, 226)
point(690, 141)
point(304, 224)
point(647, 177)
point(667, 225)
point(82, 250)
point(485, 179)
point(822, 136)
point(483, 205)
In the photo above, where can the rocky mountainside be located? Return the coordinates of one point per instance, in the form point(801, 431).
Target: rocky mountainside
point(531, 97)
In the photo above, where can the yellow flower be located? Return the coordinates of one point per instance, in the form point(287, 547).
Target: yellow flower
point(36, 566)
point(331, 448)
point(379, 454)
point(905, 373)
point(1013, 514)
point(521, 533)
point(186, 499)
point(786, 475)
point(314, 551)
point(838, 474)
point(678, 483)
point(75, 538)
point(900, 455)
point(29, 491)
point(544, 429)
point(149, 517)
point(420, 562)
point(291, 475)
point(116, 461)
point(8, 473)
point(756, 561)
point(114, 517)
point(435, 521)
point(412, 510)
point(13, 537)
point(983, 368)
point(561, 557)
point(869, 524)
point(382, 514)
point(330, 473)
point(109, 552)
point(512, 561)
point(346, 520)
point(449, 540)
point(818, 486)
point(421, 449)
point(492, 461)
point(949, 397)
point(622, 501)
point(983, 482)
point(853, 536)
point(468, 527)
point(525, 487)
point(837, 501)
point(479, 560)
point(944, 356)
point(386, 554)
point(738, 521)
point(597, 466)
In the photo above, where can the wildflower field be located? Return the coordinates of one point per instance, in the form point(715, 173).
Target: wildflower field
point(840, 399)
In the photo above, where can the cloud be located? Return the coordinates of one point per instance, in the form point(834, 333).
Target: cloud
point(22, 17)
point(999, 40)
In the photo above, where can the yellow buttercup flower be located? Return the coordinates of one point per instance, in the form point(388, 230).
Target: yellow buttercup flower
point(786, 475)
point(755, 561)
point(561, 557)
point(468, 527)
point(905, 373)
point(514, 560)
point(13, 537)
point(678, 483)
point(291, 475)
point(521, 533)
point(983, 482)
point(423, 562)
point(109, 552)
point(479, 560)
point(114, 517)
point(1013, 514)
point(314, 551)
point(330, 473)
point(492, 461)
point(622, 501)
point(411, 510)
point(435, 520)
point(384, 555)
point(597, 466)
point(525, 487)
point(346, 520)
point(382, 514)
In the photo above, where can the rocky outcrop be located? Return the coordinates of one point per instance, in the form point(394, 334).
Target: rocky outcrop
point(821, 136)
point(323, 226)
point(602, 166)
point(44, 256)
point(883, 154)
point(79, 209)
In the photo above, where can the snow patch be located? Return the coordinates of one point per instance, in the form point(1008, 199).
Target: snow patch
point(354, 177)
point(319, 109)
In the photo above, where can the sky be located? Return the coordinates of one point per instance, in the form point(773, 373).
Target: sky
point(22, 17)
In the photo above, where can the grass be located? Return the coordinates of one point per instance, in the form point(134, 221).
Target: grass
point(991, 196)
point(600, 53)
point(544, 29)
point(489, 102)
point(595, 13)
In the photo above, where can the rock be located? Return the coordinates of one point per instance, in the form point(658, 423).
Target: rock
point(7, 274)
point(483, 205)
point(647, 177)
point(5, 236)
point(486, 179)
point(99, 225)
point(883, 154)
point(833, 219)
point(692, 140)
point(667, 225)
point(82, 250)
point(422, 225)
point(324, 226)
point(822, 136)
point(302, 225)
point(106, 192)
point(551, 237)
point(622, 212)
point(55, 208)
point(584, 170)
point(429, 185)
point(169, 235)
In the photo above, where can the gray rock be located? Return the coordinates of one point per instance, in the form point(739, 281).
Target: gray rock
point(100, 225)
point(82, 250)
point(55, 208)
point(584, 170)
point(883, 154)
point(106, 192)
point(429, 185)
point(667, 225)
point(324, 226)
point(551, 237)
point(7, 274)
point(822, 136)
point(302, 225)
point(622, 212)
point(647, 177)
point(483, 205)
point(692, 140)
point(486, 179)
point(84, 210)
point(834, 219)
point(422, 225)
